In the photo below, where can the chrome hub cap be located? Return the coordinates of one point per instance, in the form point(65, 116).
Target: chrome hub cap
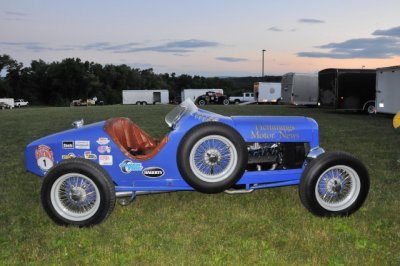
point(213, 158)
point(75, 197)
point(337, 188)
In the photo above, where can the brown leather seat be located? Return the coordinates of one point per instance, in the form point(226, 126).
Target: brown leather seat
point(132, 140)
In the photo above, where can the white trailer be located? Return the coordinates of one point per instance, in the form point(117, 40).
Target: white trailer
point(145, 97)
point(300, 89)
point(8, 103)
point(388, 90)
point(265, 92)
point(194, 93)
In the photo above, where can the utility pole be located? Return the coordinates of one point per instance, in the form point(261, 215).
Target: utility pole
point(263, 51)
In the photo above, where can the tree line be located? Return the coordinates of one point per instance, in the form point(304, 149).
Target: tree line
point(58, 83)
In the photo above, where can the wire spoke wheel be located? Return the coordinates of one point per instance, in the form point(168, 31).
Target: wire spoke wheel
point(334, 184)
point(337, 188)
point(75, 197)
point(213, 158)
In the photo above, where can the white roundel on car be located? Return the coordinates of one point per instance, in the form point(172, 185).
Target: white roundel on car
point(44, 163)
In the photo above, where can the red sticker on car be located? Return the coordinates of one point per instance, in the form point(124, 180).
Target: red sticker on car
point(44, 157)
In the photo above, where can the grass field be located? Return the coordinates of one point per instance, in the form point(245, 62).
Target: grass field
point(189, 228)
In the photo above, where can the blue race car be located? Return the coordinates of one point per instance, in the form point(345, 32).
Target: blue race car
point(86, 168)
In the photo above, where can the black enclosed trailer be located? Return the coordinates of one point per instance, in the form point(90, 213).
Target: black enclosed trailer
point(347, 89)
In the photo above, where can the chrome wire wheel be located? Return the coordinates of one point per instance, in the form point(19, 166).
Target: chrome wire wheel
point(75, 197)
point(337, 188)
point(213, 158)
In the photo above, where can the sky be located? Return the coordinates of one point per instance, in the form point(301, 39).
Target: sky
point(208, 38)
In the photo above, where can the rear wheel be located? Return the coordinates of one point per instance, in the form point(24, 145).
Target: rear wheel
point(202, 102)
point(77, 192)
point(370, 108)
point(334, 184)
point(225, 102)
point(212, 157)
point(144, 103)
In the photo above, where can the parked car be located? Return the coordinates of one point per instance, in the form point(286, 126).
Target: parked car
point(83, 102)
point(212, 97)
point(20, 103)
point(246, 97)
point(85, 169)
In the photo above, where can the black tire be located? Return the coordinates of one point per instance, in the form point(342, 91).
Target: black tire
point(326, 174)
point(144, 103)
point(202, 102)
point(91, 176)
point(232, 143)
point(138, 103)
point(225, 102)
point(370, 109)
point(237, 101)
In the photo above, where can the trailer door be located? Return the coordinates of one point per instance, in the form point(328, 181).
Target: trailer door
point(156, 97)
point(388, 91)
point(327, 88)
point(287, 88)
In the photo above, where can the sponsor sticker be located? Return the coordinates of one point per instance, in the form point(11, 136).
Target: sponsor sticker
point(153, 172)
point(89, 155)
point(105, 160)
point(104, 149)
point(128, 166)
point(68, 156)
point(68, 144)
point(82, 144)
point(44, 157)
point(103, 141)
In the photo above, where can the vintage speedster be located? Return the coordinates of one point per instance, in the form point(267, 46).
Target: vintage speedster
point(86, 168)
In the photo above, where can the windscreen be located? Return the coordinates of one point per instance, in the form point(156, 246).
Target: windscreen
point(187, 107)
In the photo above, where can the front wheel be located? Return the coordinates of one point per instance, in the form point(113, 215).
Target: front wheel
point(334, 184)
point(225, 102)
point(77, 192)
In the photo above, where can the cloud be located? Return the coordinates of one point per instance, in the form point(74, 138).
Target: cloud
point(393, 32)
point(106, 46)
point(175, 47)
point(231, 59)
point(311, 20)
point(12, 13)
point(380, 47)
point(35, 46)
point(184, 46)
point(275, 29)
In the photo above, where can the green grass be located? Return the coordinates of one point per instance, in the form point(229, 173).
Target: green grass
point(265, 227)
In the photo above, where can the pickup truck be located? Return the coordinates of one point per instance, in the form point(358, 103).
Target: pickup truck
point(20, 103)
point(247, 97)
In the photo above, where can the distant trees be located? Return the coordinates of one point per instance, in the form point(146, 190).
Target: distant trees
point(58, 83)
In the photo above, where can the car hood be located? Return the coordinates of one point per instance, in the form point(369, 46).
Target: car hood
point(277, 129)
